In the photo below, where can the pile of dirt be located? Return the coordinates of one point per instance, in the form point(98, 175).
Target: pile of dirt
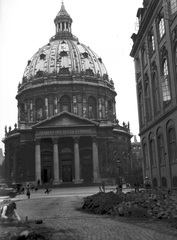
point(101, 202)
point(32, 236)
point(155, 203)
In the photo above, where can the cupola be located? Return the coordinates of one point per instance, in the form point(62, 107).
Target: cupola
point(63, 23)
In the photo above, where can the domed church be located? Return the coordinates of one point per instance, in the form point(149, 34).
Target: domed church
point(67, 129)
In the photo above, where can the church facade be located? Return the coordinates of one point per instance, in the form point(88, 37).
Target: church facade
point(67, 128)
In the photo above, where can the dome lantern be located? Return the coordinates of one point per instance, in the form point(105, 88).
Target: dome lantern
point(63, 23)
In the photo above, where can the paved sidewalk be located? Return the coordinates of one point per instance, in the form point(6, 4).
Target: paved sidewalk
point(62, 220)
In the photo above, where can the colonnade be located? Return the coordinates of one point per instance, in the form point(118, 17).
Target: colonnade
point(56, 161)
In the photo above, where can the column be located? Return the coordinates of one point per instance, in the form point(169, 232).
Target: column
point(55, 161)
point(55, 105)
point(14, 165)
point(37, 160)
point(46, 108)
point(77, 161)
point(31, 111)
point(100, 108)
point(96, 177)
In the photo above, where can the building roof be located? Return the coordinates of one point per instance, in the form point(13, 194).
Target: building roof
point(64, 55)
point(62, 12)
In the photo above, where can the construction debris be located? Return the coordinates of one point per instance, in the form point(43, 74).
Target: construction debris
point(154, 203)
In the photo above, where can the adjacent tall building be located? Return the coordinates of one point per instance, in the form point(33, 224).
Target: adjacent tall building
point(67, 128)
point(155, 55)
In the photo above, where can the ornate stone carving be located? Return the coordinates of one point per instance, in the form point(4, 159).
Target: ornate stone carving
point(163, 51)
point(146, 78)
point(55, 140)
point(64, 71)
point(139, 87)
point(76, 140)
point(174, 33)
point(153, 65)
point(94, 139)
point(37, 141)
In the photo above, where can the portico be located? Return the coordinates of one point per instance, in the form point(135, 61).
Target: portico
point(73, 150)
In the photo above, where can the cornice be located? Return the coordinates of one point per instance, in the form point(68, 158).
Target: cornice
point(143, 27)
point(97, 84)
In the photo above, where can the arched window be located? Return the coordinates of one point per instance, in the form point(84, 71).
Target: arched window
point(155, 92)
point(152, 150)
point(147, 99)
point(145, 156)
point(172, 147)
point(160, 146)
point(161, 27)
point(92, 107)
point(154, 182)
point(151, 42)
point(164, 182)
point(165, 82)
point(39, 109)
point(173, 6)
point(65, 104)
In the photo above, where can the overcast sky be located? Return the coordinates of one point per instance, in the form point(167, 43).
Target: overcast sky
point(104, 26)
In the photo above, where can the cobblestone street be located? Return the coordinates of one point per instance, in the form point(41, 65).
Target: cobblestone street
point(63, 220)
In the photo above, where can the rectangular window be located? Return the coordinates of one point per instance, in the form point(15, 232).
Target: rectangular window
point(165, 83)
point(173, 5)
point(161, 27)
point(166, 90)
point(153, 43)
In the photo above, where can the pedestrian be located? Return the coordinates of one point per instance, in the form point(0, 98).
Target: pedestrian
point(36, 188)
point(28, 191)
point(120, 184)
point(9, 212)
point(147, 183)
point(38, 182)
point(136, 185)
point(47, 190)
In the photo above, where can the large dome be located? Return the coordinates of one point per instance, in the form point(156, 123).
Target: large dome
point(64, 56)
point(65, 75)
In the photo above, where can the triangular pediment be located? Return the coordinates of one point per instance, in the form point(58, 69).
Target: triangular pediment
point(65, 119)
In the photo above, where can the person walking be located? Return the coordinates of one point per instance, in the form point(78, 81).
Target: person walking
point(38, 183)
point(28, 191)
point(147, 183)
point(136, 185)
point(47, 190)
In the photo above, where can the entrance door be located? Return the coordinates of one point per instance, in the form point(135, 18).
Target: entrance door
point(87, 166)
point(67, 173)
point(46, 166)
point(46, 174)
point(67, 164)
